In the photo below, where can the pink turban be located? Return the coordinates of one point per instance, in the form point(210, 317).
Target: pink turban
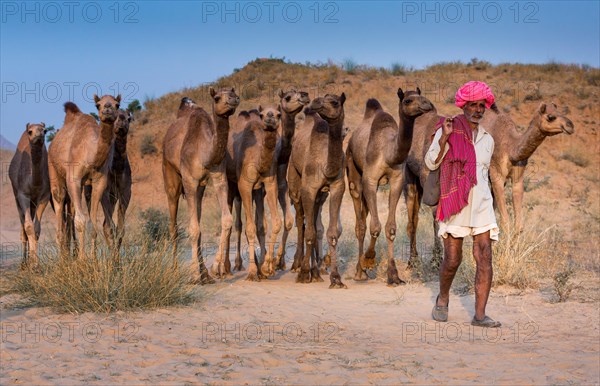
point(474, 91)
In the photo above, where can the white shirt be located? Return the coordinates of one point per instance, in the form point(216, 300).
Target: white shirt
point(480, 210)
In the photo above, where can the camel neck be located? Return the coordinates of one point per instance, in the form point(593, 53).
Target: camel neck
point(401, 147)
point(219, 144)
point(528, 142)
point(104, 143)
point(335, 152)
point(288, 128)
point(269, 143)
point(121, 145)
point(37, 155)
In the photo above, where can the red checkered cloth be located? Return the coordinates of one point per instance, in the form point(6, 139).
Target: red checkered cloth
point(458, 173)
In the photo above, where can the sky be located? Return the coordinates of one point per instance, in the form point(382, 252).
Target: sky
point(55, 51)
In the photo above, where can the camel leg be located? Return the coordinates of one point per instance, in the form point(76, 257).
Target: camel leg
point(271, 192)
point(518, 188)
point(294, 180)
point(320, 229)
point(123, 205)
point(413, 205)
point(360, 213)
point(308, 203)
point(390, 230)
point(194, 195)
point(108, 202)
point(230, 199)
point(81, 216)
point(288, 217)
point(21, 200)
point(334, 231)
point(37, 220)
point(220, 183)
point(238, 233)
point(500, 197)
point(173, 189)
point(98, 188)
point(258, 196)
point(245, 188)
point(370, 192)
point(58, 198)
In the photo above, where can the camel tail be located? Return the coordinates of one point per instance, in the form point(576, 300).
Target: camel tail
point(372, 107)
point(71, 111)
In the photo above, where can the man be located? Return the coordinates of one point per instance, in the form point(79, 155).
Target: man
point(463, 150)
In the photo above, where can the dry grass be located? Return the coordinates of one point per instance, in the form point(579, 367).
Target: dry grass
point(519, 260)
point(144, 277)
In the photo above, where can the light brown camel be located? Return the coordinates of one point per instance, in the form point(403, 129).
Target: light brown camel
point(28, 174)
point(254, 162)
point(375, 154)
point(81, 151)
point(511, 152)
point(316, 168)
point(194, 152)
point(172, 143)
point(118, 189)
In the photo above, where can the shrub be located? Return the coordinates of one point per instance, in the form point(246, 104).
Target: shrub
point(141, 278)
point(147, 146)
point(154, 226)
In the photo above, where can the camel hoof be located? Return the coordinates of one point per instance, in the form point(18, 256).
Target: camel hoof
point(204, 279)
point(315, 276)
point(238, 266)
point(336, 282)
point(395, 283)
point(361, 275)
point(303, 277)
point(253, 277)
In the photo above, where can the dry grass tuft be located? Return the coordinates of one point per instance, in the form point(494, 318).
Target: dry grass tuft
point(519, 260)
point(142, 278)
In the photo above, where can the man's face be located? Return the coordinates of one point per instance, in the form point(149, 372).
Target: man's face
point(474, 111)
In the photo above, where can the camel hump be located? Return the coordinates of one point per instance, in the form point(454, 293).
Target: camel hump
point(71, 111)
point(381, 121)
point(373, 106)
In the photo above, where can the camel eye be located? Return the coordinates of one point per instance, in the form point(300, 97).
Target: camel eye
point(551, 118)
point(407, 101)
point(288, 98)
point(98, 106)
point(217, 98)
point(117, 106)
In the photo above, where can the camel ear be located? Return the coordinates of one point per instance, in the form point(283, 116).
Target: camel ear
point(400, 93)
point(280, 93)
point(279, 108)
point(212, 92)
point(260, 109)
point(118, 98)
point(130, 115)
point(96, 99)
point(542, 108)
point(418, 91)
point(43, 124)
point(27, 126)
point(343, 98)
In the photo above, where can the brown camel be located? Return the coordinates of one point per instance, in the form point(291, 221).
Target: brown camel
point(375, 154)
point(316, 168)
point(81, 151)
point(194, 152)
point(511, 152)
point(255, 165)
point(170, 166)
point(28, 174)
point(119, 181)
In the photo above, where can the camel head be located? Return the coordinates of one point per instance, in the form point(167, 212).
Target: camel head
point(412, 103)
point(552, 122)
point(107, 107)
point(330, 107)
point(225, 101)
point(36, 132)
point(270, 116)
point(124, 117)
point(293, 101)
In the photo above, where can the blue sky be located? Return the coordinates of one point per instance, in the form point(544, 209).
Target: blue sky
point(54, 51)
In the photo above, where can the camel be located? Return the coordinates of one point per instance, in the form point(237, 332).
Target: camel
point(512, 149)
point(28, 174)
point(375, 154)
point(193, 152)
point(119, 180)
point(81, 151)
point(254, 163)
point(316, 168)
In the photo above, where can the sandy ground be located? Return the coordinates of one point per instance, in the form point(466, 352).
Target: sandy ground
point(280, 332)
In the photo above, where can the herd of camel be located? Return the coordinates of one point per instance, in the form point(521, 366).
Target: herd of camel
point(263, 153)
